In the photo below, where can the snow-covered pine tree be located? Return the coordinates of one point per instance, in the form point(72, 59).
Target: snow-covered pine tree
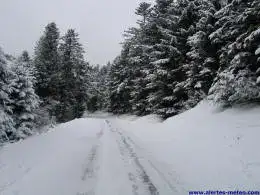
point(153, 58)
point(73, 89)
point(24, 99)
point(82, 84)
point(27, 62)
point(26, 59)
point(144, 10)
point(6, 121)
point(168, 62)
point(131, 69)
point(140, 40)
point(137, 69)
point(201, 61)
point(119, 91)
point(46, 62)
point(93, 91)
point(238, 37)
point(103, 87)
point(97, 92)
point(166, 96)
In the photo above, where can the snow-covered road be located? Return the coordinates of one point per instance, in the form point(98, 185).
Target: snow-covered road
point(82, 157)
point(201, 149)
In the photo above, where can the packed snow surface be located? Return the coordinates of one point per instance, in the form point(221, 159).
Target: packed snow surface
point(201, 149)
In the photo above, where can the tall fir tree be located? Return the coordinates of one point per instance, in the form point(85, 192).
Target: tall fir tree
point(47, 63)
point(165, 58)
point(119, 97)
point(201, 61)
point(238, 39)
point(73, 94)
point(142, 39)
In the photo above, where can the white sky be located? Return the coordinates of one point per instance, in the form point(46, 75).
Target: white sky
point(100, 24)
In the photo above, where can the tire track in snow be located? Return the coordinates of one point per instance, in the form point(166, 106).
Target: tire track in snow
point(162, 174)
point(90, 170)
point(146, 173)
point(92, 167)
point(140, 169)
point(141, 181)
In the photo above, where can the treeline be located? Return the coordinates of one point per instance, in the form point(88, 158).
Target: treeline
point(55, 85)
point(180, 52)
point(183, 51)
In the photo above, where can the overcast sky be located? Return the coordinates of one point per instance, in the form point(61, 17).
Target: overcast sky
point(100, 24)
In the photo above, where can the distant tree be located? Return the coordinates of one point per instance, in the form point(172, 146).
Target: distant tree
point(27, 63)
point(103, 86)
point(25, 57)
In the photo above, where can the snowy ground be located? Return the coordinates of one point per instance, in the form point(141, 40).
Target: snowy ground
point(202, 149)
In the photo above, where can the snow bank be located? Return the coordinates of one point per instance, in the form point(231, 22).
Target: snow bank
point(207, 148)
point(50, 163)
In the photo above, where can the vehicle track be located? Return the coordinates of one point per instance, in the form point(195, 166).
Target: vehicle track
point(142, 182)
point(92, 167)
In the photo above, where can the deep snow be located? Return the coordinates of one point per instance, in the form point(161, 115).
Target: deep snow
point(207, 148)
point(201, 149)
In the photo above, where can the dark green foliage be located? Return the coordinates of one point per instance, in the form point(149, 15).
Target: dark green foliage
point(73, 86)
point(47, 63)
point(182, 51)
point(237, 36)
point(92, 104)
point(61, 74)
point(118, 87)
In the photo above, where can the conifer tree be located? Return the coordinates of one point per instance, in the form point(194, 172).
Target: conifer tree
point(201, 61)
point(119, 85)
point(103, 86)
point(24, 99)
point(6, 121)
point(73, 94)
point(238, 39)
point(165, 58)
point(142, 39)
point(143, 10)
point(46, 62)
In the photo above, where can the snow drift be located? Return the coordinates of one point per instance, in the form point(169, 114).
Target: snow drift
point(207, 148)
